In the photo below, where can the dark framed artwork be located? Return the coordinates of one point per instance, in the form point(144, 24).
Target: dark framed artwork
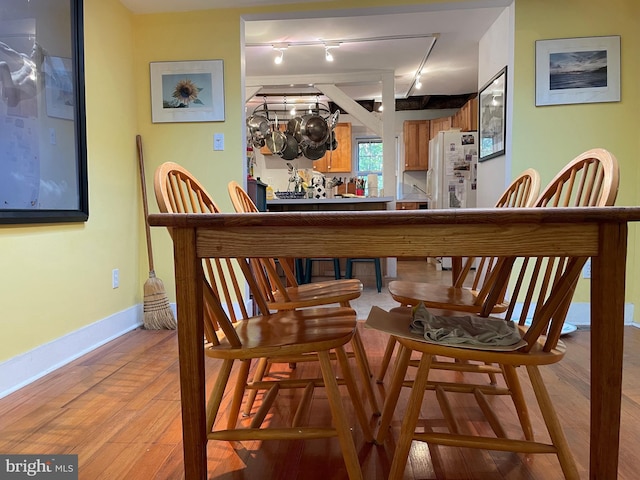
point(492, 112)
point(43, 152)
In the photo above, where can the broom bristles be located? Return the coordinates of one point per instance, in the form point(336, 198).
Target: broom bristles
point(157, 311)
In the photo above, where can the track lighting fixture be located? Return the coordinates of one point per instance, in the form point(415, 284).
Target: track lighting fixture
point(280, 56)
point(327, 50)
point(327, 54)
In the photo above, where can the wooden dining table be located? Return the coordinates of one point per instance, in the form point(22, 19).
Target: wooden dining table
point(596, 232)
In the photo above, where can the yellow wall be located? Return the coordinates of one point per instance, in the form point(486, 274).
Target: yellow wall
point(57, 278)
point(546, 137)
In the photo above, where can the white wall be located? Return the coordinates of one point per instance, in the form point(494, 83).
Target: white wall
point(496, 51)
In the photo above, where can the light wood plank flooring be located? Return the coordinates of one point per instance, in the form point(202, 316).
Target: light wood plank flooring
point(118, 408)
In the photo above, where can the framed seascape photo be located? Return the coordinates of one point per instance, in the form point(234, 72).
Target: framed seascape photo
point(578, 70)
point(187, 91)
point(492, 103)
point(43, 152)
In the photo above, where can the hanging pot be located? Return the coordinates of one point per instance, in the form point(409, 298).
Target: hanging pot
point(332, 143)
point(333, 120)
point(258, 142)
point(276, 141)
point(258, 126)
point(313, 152)
point(293, 127)
point(291, 149)
point(314, 128)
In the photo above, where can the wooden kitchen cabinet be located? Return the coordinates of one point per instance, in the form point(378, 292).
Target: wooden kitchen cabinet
point(406, 205)
point(338, 160)
point(439, 125)
point(466, 119)
point(421, 205)
point(416, 144)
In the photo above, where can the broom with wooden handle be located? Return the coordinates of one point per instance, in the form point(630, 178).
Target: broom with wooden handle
point(157, 311)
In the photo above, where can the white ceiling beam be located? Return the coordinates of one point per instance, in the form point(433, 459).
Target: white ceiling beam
point(365, 77)
point(367, 118)
point(251, 91)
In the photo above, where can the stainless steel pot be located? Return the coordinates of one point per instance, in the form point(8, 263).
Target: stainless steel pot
point(276, 141)
point(259, 126)
point(291, 149)
point(314, 128)
point(313, 152)
point(293, 127)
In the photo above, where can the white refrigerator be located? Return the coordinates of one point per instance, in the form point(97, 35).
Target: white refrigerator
point(453, 169)
point(453, 173)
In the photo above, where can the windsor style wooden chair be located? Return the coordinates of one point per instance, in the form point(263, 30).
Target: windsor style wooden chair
point(545, 286)
point(478, 276)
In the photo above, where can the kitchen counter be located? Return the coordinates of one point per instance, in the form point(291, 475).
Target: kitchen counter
point(328, 204)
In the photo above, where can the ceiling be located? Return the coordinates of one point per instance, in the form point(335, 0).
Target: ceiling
point(370, 41)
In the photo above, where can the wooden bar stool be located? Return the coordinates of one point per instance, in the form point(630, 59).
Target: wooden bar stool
point(376, 262)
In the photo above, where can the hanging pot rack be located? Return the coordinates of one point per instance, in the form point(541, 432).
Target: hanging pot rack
point(280, 110)
point(305, 134)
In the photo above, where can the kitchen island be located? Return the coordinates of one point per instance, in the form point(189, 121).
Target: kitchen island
point(329, 204)
point(363, 271)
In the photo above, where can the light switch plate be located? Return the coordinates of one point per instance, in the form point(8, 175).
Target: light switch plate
point(218, 141)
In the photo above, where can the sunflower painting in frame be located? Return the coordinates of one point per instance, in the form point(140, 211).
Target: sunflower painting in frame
point(184, 91)
point(187, 91)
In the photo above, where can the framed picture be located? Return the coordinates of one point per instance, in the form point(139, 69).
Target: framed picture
point(187, 91)
point(578, 70)
point(492, 103)
point(43, 153)
point(58, 87)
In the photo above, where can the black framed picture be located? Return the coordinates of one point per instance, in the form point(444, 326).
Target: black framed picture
point(492, 104)
point(43, 154)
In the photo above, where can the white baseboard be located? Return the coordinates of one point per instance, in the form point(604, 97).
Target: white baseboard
point(23, 369)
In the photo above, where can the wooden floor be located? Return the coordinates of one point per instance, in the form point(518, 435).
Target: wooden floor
point(118, 409)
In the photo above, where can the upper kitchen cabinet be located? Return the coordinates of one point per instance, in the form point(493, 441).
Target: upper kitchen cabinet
point(416, 144)
point(439, 125)
point(466, 119)
point(338, 160)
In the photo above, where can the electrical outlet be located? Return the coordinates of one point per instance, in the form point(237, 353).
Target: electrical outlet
point(586, 270)
point(115, 278)
point(218, 141)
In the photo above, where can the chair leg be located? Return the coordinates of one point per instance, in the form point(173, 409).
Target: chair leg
point(238, 393)
point(336, 268)
point(365, 371)
point(343, 361)
point(513, 384)
point(386, 359)
point(215, 398)
point(376, 262)
point(558, 439)
point(399, 373)
point(259, 374)
point(347, 446)
point(348, 269)
point(410, 419)
point(308, 266)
